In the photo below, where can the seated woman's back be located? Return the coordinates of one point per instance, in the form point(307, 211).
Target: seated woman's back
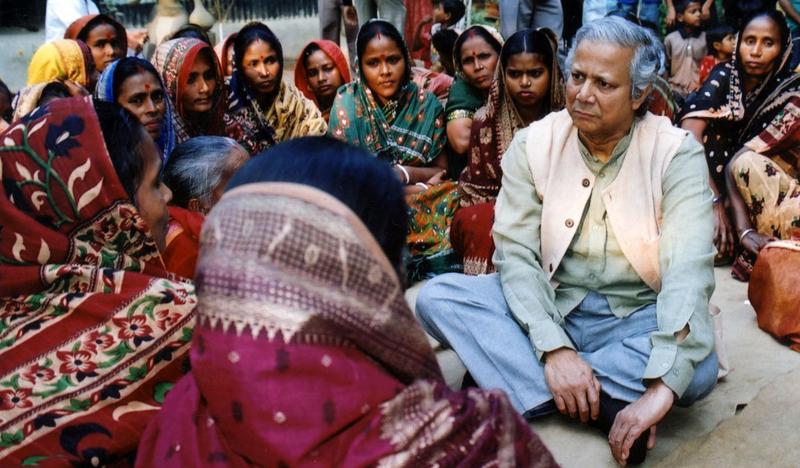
point(306, 352)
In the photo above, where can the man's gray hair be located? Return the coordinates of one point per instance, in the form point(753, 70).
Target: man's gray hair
point(620, 32)
point(196, 166)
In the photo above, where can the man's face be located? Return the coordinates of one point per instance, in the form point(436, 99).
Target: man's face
point(599, 90)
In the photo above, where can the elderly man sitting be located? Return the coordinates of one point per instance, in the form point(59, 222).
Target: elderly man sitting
point(603, 230)
point(197, 171)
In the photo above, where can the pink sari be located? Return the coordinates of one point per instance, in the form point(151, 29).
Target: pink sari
point(306, 354)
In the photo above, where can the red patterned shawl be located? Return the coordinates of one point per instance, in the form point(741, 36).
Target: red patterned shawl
point(306, 354)
point(493, 127)
point(174, 60)
point(92, 330)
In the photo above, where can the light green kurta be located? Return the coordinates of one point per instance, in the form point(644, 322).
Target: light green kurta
point(594, 260)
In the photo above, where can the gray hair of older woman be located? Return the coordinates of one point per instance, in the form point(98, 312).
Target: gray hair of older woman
point(197, 166)
point(613, 30)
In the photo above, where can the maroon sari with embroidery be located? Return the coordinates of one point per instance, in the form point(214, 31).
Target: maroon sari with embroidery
point(93, 331)
point(306, 354)
point(493, 128)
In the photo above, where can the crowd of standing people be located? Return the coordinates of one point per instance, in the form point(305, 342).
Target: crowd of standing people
point(202, 261)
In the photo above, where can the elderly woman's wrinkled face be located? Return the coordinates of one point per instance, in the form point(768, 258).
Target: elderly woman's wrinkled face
point(760, 49)
point(152, 195)
point(236, 159)
point(599, 90)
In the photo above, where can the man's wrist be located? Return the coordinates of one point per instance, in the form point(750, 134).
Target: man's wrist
point(659, 389)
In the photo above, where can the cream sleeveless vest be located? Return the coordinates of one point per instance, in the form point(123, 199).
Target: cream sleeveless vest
point(633, 200)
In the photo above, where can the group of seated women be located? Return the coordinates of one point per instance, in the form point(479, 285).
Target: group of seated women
point(299, 268)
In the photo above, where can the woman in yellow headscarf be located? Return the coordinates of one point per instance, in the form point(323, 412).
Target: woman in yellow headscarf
point(62, 60)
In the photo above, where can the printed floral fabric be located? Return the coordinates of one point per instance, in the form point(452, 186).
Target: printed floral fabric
point(493, 128)
point(93, 331)
point(735, 115)
point(408, 131)
point(312, 356)
point(772, 194)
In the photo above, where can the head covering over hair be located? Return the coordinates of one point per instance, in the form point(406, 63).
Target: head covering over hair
point(301, 73)
point(494, 127)
point(464, 98)
point(174, 60)
point(105, 92)
point(289, 115)
point(221, 49)
point(408, 130)
point(312, 353)
point(62, 59)
point(89, 315)
point(79, 29)
point(735, 115)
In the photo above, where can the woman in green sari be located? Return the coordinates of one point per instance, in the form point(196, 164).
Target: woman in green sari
point(385, 113)
point(475, 54)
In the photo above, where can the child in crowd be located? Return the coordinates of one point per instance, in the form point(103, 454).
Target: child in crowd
point(720, 41)
point(446, 15)
point(442, 44)
point(685, 47)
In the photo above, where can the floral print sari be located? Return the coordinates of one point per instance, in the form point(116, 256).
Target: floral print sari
point(93, 331)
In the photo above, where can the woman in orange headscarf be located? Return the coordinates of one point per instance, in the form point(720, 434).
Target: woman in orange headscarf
point(321, 69)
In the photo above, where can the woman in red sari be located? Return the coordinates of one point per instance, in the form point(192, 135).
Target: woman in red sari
point(321, 69)
point(93, 331)
point(306, 353)
point(193, 81)
point(528, 85)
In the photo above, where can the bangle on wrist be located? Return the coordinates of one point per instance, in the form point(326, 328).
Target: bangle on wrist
point(405, 173)
point(744, 234)
point(424, 186)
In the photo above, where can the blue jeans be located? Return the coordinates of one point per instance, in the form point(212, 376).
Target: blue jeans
point(393, 11)
point(470, 314)
point(648, 10)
